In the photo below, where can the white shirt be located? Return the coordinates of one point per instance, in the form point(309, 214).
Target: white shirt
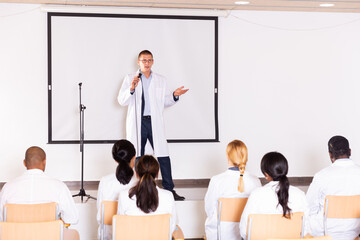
point(341, 178)
point(109, 189)
point(34, 186)
point(264, 200)
point(127, 206)
point(225, 185)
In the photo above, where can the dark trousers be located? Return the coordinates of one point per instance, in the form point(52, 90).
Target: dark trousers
point(165, 165)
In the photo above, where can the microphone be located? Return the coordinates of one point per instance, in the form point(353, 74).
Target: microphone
point(140, 73)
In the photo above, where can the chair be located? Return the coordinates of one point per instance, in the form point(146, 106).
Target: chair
point(31, 212)
point(31, 231)
point(313, 238)
point(108, 210)
point(229, 210)
point(264, 226)
point(341, 207)
point(40, 212)
point(147, 227)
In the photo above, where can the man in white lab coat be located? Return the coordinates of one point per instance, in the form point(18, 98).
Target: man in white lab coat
point(340, 178)
point(146, 95)
point(34, 186)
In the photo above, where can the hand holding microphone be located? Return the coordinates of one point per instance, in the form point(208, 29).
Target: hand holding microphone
point(135, 81)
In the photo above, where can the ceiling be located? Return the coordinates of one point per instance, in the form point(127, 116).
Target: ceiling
point(267, 5)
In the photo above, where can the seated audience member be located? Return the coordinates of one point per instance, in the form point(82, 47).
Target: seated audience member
point(110, 186)
point(145, 197)
point(275, 197)
point(34, 186)
point(235, 182)
point(340, 178)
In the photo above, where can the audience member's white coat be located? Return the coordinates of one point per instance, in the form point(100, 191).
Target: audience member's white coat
point(264, 200)
point(226, 185)
point(341, 178)
point(109, 189)
point(127, 206)
point(34, 186)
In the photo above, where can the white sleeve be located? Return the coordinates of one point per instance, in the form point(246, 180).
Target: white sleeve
point(67, 208)
point(169, 98)
point(2, 202)
point(211, 198)
point(174, 220)
point(124, 95)
point(98, 201)
point(313, 196)
point(121, 203)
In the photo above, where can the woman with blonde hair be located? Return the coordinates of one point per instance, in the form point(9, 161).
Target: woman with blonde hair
point(235, 182)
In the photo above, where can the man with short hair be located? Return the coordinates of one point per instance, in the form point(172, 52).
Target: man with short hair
point(34, 186)
point(341, 178)
point(145, 113)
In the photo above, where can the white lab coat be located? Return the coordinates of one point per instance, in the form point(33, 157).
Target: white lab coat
point(225, 185)
point(264, 200)
point(127, 206)
point(341, 178)
point(160, 97)
point(34, 186)
point(109, 189)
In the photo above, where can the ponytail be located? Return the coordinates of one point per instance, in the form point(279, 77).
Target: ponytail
point(241, 179)
point(124, 172)
point(123, 152)
point(237, 153)
point(147, 198)
point(276, 166)
point(283, 195)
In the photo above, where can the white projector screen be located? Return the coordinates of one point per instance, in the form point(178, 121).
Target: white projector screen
point(98, 50)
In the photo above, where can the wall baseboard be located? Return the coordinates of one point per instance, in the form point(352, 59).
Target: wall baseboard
point(181, 183)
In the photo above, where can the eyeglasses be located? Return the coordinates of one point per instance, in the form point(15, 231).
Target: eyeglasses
point(147, 61)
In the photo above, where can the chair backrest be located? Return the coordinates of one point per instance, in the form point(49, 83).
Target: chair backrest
point(108, 210)
point(147, 227)
point(264, 226)
point(31, 212)
point(341, 207)
point(314, 238)
point(229, 210)
point(31, 231)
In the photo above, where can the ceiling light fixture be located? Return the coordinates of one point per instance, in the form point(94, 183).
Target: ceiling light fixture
point(242, 2)
point(327, 5)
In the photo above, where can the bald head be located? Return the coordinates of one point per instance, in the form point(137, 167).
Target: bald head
point(35, 158)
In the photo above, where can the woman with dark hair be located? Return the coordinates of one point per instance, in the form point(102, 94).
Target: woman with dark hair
point(145, 197)
point(123, 152)
point(277, 196)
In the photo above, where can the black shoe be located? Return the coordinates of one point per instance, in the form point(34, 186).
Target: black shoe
point(177, 197)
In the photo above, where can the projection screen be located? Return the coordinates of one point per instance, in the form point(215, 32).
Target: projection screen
point(98, 50)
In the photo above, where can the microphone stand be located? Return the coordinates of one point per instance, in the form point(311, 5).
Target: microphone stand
point(82, 192)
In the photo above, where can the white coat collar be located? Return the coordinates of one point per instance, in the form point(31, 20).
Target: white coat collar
point(343, 162)
point(34, 171)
